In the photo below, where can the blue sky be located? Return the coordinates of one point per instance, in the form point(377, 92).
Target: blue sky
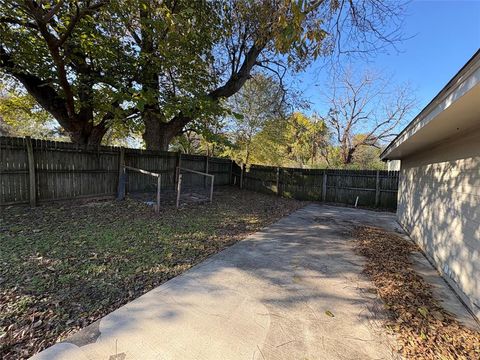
point(445, 35)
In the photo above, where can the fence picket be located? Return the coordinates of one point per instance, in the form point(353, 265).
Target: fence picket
point(68, 171)
point(373, 188)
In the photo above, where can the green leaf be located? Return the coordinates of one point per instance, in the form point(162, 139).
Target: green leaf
point(423, 310)
point(238, 116)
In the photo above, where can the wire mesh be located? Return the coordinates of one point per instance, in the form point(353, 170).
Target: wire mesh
point(194, 187)
point(191, 187)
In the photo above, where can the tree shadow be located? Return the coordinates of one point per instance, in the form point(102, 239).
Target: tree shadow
point(439, 204)
point(293, 290)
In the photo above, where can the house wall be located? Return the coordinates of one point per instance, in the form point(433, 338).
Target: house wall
point(439, 205)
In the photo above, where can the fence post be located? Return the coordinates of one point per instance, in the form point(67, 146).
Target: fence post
point(31, 172)
point(242, 170)
point(230, 178)
point(177, 166)
point(121, 188)
point(377, 190)
point(324, 186)
point(206, 172)
point(179, 188)
point(278, 181)
point(335, 186)
point(159, 186)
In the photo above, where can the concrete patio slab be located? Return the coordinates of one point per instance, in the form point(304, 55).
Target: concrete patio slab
point(291, 291)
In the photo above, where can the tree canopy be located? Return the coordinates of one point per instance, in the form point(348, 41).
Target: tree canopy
point(20, 115)
point(157, 66)
point(259, 101)
point(295, 140)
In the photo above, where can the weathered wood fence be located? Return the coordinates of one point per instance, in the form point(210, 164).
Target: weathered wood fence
point(374, 189)
point(34, 171)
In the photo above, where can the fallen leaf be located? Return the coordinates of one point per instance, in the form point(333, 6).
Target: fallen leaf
point(423, 311)
point(37, 324)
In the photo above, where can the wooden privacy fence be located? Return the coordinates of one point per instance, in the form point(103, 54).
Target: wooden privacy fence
point(34, 171)
point(375, 189)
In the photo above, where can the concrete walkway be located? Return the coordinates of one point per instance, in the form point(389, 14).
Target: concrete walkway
point(292, 291)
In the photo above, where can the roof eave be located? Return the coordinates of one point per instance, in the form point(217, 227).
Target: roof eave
point(459, 78)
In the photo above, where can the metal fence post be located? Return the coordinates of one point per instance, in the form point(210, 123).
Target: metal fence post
point(178, 166)
point(159, 185)
point(206, 171)
point(31, 172)
point(212, 180)
point(179, 187)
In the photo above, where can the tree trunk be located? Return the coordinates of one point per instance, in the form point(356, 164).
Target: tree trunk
point(157, 134)
point(348, 155)
point(88, 135)
point(247, 152)
point(155, 137)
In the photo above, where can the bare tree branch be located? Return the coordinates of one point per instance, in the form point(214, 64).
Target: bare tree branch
point(365, 111)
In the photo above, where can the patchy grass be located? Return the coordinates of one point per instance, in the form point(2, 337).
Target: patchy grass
point(423, 328)
point(64, 266)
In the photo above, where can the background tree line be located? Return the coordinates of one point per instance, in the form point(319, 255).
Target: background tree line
point(362, 113)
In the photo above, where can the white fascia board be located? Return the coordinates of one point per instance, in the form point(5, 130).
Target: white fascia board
point(467, 78)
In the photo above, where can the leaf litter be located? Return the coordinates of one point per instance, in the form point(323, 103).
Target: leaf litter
point(423, 328)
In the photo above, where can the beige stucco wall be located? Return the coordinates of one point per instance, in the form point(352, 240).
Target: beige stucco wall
point(439, 205)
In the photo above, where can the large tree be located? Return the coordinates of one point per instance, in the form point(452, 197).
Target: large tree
point(173, 43)
point(366, 104)
point(62, 54)
point(92, 63)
